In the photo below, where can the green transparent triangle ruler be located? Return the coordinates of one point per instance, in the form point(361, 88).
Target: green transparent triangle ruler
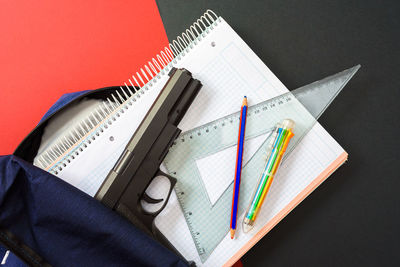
point(209, 223)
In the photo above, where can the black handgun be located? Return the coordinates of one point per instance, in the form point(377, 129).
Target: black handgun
point(125, 186)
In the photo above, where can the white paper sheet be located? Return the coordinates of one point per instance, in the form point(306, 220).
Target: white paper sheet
point(229, 70)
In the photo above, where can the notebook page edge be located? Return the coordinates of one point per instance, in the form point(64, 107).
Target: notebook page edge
point(291, 206)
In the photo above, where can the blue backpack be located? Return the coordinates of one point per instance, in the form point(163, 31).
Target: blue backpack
point(45, 221)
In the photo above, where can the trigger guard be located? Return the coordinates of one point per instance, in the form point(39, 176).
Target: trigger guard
point(173, 182)
point(170, 178)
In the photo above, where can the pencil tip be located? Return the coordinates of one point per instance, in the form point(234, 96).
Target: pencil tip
point(232, 233)
point(244, 101)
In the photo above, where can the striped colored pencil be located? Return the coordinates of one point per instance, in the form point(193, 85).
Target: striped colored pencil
point(238, 168)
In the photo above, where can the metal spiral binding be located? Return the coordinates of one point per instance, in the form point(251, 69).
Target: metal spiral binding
point(68, 147)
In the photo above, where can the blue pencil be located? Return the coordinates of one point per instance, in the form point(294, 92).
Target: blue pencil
point(239, 159)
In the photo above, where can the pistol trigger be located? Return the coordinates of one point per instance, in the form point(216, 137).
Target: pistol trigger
point(151, 200)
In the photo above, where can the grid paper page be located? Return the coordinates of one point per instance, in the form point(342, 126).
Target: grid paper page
point(217, 67)
point(227, 70)
point(227, 66)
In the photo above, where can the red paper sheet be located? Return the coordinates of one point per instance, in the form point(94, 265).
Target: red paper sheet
point(48, 48)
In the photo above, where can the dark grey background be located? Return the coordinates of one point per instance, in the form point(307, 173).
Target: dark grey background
point(354, 217)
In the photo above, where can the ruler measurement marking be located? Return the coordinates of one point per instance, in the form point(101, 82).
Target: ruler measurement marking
point(187, 214)
point(256, 109)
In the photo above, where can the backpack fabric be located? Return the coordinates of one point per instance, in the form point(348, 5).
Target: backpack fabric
point(46, 221)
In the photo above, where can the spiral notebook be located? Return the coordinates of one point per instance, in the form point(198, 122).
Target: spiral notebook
point(228, 69)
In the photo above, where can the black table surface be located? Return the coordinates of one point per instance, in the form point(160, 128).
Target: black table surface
point(353, 218)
